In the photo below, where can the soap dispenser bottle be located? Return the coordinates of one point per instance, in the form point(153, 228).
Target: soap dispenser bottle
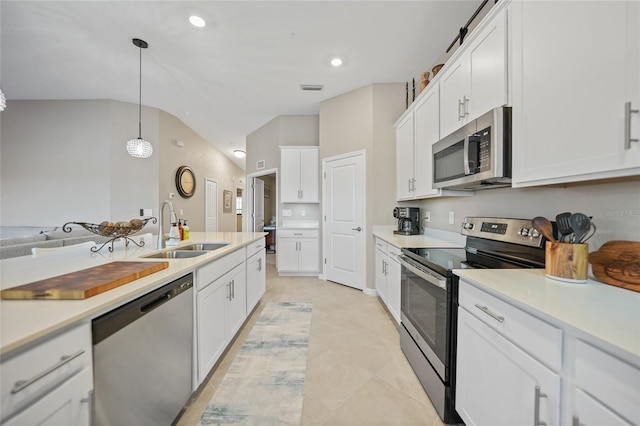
point(174, 235)
point(185, 230)
point(180, 229)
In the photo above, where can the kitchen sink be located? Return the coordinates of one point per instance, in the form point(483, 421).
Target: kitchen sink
point(204, 246)
point(176, 254)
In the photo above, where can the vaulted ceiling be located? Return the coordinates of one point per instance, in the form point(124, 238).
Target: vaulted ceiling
point(227, 79)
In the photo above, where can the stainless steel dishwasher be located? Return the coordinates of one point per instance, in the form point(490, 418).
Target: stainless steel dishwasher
point(143, 358)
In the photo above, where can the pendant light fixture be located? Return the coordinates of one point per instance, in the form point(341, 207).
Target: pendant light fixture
point(139, 147)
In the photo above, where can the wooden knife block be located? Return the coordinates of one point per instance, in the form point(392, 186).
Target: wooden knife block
point(567, 262)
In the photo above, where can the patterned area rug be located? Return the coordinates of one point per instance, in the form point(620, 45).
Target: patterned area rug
point(265, 382)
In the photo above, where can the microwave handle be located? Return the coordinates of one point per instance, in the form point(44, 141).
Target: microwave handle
point(467, 168)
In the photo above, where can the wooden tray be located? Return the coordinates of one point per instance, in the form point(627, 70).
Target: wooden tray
point(617, 263)
point(84, 283)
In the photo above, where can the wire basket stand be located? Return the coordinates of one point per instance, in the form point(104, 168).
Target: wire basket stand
point(117, 231)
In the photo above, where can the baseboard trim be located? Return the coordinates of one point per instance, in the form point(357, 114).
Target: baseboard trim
point(370, 291)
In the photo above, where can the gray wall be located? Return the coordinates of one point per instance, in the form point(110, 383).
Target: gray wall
point(363, 120)
point(614, 205)
point(66, 161)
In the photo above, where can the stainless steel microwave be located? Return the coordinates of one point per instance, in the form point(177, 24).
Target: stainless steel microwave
point(477, 156)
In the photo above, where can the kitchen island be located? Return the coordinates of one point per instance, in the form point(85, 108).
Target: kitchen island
point(26, 321)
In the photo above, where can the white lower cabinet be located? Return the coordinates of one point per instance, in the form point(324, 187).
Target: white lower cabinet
point(498, 383)
point(514, 368)
point(604, 396)
point(50, 383)
point(220, 308)
point(256, 275)
point(298, 251)
point(387, 276)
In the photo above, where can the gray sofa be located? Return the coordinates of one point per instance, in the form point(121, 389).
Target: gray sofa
point(19, 240)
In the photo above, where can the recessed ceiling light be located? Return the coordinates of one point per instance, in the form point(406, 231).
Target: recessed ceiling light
point(336, 62)
point(197, 21)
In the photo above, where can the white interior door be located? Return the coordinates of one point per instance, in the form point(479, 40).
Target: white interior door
point(344, 225)
point(211, 206)
point(258, 205)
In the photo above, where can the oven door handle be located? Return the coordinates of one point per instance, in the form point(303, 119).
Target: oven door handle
point(432, 278)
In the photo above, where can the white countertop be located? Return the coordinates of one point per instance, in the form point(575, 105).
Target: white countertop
point(608, 313)
point(430, 239)
point(24, 321)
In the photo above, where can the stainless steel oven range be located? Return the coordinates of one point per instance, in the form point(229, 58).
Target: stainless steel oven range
point(429, 297)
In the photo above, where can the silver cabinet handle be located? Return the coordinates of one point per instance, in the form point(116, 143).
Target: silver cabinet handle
point(384, 267)
point(409, 181)
point(460, 114)
point(465, 104)
point(536, 407)
point(90, 400)
point(260, 265)
point(627, 125)
point(229, 291)
point(488, 312)
point(233, 289)
point(357, 229)
point(22, 384)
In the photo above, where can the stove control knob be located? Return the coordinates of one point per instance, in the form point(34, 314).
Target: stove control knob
point(467, 225)
point(534, 233)
point(524, 232)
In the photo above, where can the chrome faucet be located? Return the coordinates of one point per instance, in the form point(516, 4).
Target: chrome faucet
point(172, 219)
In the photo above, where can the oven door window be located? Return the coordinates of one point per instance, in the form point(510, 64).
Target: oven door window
point(425, 306)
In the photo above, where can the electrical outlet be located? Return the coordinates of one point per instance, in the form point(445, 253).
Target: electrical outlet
point(146, 212)
point(181, 212)
point(303, 213)
point(286, 213)
point(427, 216)
point(452, 218)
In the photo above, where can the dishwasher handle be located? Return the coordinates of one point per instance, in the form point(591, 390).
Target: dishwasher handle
point(154, 304)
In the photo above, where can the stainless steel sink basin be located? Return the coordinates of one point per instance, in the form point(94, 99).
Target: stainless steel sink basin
point(176, 254)
point(204, 246)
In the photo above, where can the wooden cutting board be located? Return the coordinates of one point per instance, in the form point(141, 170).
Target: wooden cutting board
point(84, 283)
point(617, 263)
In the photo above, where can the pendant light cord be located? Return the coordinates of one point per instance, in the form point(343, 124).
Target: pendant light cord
point(140, 98)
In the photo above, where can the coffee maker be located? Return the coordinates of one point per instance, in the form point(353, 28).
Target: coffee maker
point(408, 220)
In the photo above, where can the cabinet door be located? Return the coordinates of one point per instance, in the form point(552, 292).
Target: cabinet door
point(210, 309)
point(287, 254)
point(237, 306)
point(309, 176)
point(569, 109)
point(454, 92)
point(487, 67)
point(381, 276)
point(590, 412)
point(308, 254)
point(393, 286)
point(255, 279)
point(404, 158)
point(427, 132)
point(496, 381)
point(290, 172)
point(68, 404)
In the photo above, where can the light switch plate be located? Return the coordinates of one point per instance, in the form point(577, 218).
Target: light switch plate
point(286, 213)
point(452, 218)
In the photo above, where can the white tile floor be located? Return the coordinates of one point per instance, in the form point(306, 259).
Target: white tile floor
point(356, 371)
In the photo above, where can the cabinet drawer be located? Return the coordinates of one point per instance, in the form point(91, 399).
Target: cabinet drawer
point(393, 252)
point(211, 271)
point(31, 374)
point(608, 379)
point(255, 247)
point(298, 233)
point(540, 339)
point(382, 245)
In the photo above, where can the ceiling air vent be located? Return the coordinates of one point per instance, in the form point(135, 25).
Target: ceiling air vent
point(311, 87)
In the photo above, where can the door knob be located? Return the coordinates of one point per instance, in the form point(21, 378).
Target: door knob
point(356, 229)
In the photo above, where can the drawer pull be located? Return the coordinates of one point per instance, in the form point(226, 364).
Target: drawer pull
point(488, 312)
point(22, 384)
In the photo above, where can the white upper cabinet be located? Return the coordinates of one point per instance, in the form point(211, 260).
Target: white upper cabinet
point(475, 81)
point(575, 67)
point(299, 171)
point(405, 158)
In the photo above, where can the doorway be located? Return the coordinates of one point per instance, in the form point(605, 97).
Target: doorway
point(211, 205)
point(263, 210)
